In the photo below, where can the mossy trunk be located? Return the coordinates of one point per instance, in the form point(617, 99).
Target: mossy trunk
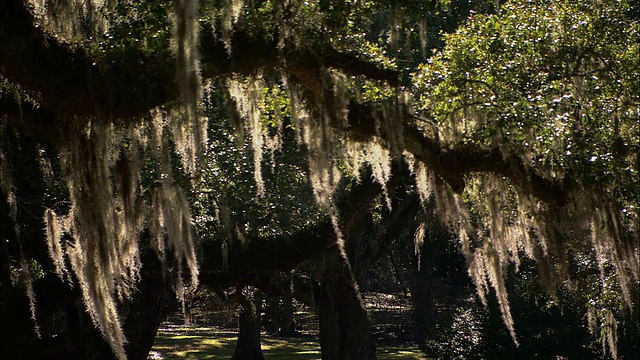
point(421, 288)
point(344, 324)
point(145, 315)
point(248, 345)
point(65, 328)
point(287, 326)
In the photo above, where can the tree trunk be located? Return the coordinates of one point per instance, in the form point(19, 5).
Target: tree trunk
point(344, 324)
point(287, 326)
point(421, 287)
point(145, 315)
point(419, 267)
point(279, 314)
point(66, 330)
point(248, 346)
point(258, 301)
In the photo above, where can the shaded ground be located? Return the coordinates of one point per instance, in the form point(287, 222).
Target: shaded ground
point(391, 318)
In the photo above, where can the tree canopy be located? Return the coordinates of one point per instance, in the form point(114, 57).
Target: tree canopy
point(519, 118)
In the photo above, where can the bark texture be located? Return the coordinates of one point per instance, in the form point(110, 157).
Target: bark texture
point(248, 345)
point(344, 323)
point(146, 313)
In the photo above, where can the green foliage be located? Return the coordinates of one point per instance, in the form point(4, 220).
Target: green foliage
point(135, 27)
point(556, 83)
point(31, 272)
point(228, 187)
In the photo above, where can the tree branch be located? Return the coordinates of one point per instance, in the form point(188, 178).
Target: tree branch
point(283, 253)
point(452, 164)
point(67, 79)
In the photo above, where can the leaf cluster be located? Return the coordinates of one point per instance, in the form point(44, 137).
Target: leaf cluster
point(556, 83)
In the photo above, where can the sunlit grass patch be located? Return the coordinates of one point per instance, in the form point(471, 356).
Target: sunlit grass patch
point(290, 348)
point(400, 352)
point(179, 342)
point(210, 343)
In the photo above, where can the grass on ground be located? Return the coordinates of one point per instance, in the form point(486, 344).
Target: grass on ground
point(195, 343)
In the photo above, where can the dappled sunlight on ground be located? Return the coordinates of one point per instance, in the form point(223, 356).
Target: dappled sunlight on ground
point(391, 328)
point(191, 343)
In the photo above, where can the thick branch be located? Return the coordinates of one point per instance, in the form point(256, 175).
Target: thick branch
point(452, 164)
point(67, 79)
point(283, 253)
